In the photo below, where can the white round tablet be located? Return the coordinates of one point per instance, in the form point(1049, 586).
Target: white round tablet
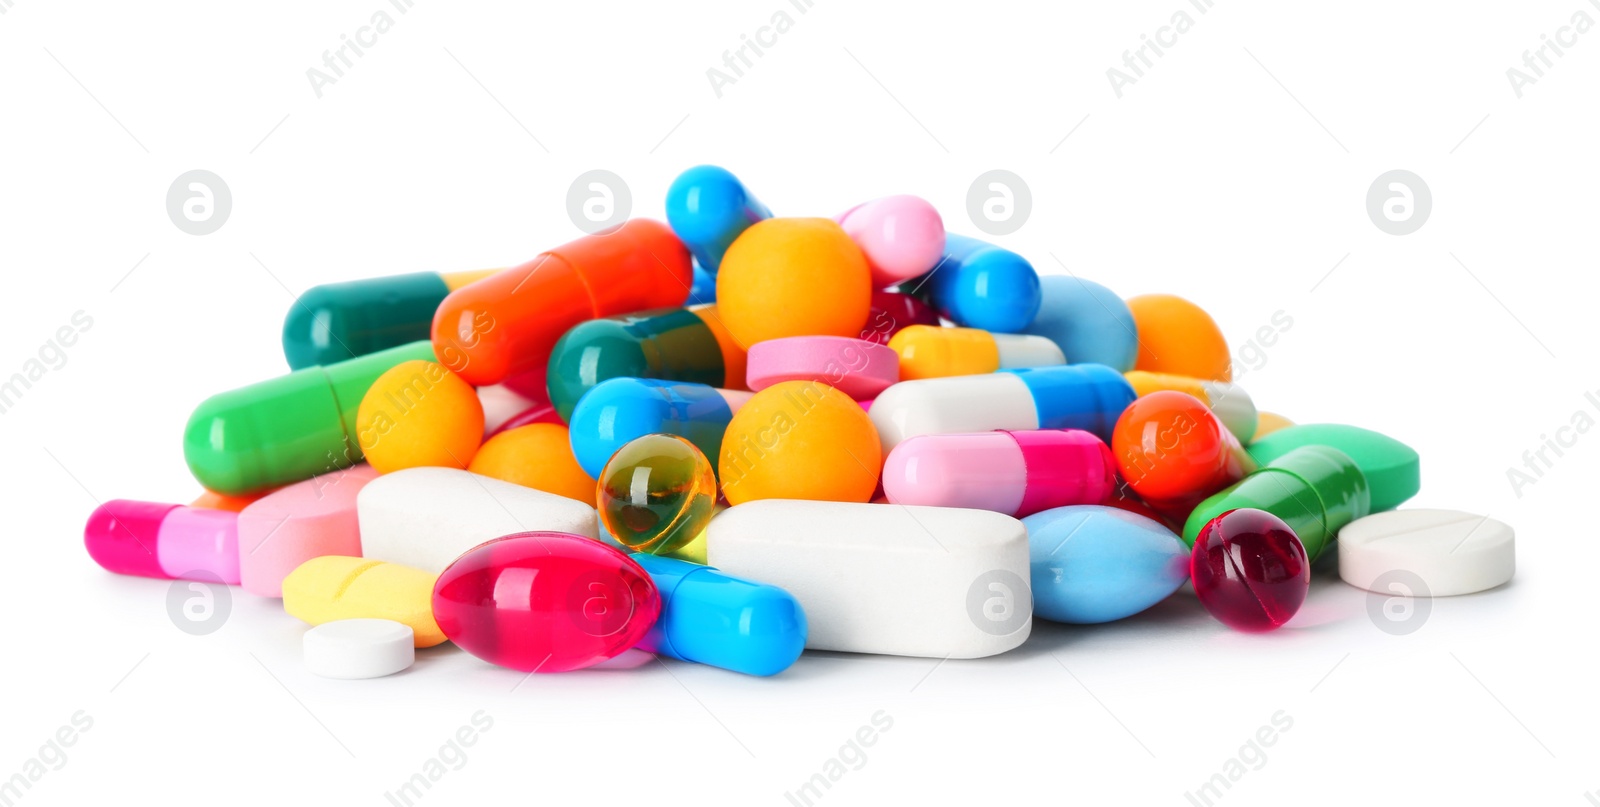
point(1449, 552)
point(359, 648)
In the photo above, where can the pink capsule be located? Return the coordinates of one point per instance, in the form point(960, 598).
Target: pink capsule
point(545, 602)
point(901, 236)
point(168, 541)
point(1016, 473)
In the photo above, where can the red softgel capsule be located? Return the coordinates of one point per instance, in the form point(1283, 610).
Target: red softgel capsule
point(545, 602)
point(1250, 570)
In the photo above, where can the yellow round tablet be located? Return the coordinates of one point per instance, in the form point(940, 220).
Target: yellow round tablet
point(800, 440)
point(537, 456)
point(793, 277)
point(419, 414)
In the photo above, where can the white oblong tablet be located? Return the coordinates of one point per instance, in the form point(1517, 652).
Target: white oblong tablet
point(890, 579)
point(426, 517)
point(359, 648)
point(1451, 552)
point(953, 405)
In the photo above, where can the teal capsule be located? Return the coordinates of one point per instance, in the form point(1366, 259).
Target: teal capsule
point(337, 322)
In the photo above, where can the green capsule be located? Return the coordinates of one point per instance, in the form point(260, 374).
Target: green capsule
point(288, 428)
point(1392, 468)
point(1316, 490)
point(340, 321)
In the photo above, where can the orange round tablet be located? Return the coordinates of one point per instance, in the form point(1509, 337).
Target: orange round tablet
point(793, 277)
point(1177, 336)
point(537, 456)
point(419, 414)
point(800, 440)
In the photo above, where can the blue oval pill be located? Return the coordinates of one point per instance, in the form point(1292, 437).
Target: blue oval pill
point(1091, 563)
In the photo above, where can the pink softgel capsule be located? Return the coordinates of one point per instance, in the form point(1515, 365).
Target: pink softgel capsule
point(169, 541)
point(1250, 570)
point(902, 236)
point(1017, 473)
point(545, 602)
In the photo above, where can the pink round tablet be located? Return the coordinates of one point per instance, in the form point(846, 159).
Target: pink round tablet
point(855, 367)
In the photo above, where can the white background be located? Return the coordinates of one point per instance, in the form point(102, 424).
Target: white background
point(451, 144)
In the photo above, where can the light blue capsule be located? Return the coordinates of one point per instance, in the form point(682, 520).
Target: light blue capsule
point(1091, 563)
point(1088, 321)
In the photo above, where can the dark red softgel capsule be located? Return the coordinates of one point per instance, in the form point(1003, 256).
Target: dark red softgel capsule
point(1250, 570)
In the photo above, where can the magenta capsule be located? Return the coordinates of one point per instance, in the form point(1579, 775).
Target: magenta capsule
point(169, 541)
point(1017, 473)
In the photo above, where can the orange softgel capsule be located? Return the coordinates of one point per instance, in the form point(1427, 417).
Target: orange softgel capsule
point(419, 414)
point(1178, 337)
point(538, 456)
point(793, 277)
point(506, 324)
point(800, 440)
point(1174, 452)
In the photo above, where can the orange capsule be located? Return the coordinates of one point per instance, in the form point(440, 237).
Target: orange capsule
point(506, 324)
point(1174, 452)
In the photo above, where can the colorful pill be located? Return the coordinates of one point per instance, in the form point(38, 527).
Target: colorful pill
point(168, 541)
point(1174, 452)
point(793, 277)
point(1269, 422)
point(800, 440)
point(1250, 570)
point(892, 312)
point(417, 414)
point(980, 285)
point(1077, 396)
point(935, 582)
point(426, 517)
point(1178, 337)
point(1094, 564)
point(545, 602)
point(681, 344)
point(1088, 321)
point(855, 367)
point(212, 500)
point(716, 619)
point(339, 321)
point(538, 456)
point(286, 429)
point(708, 207)
point(334, 587)
point(1016, 473)
point(1316, 490)
point(901, 236)
point(302, 521)
point(1392, 468)
point(932, 352)
point(1227, 400)
point(621, 409)
point(656, 493)
point(703, 291)
point(506, 324)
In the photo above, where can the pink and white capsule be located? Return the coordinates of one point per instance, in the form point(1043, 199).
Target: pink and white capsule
point(1017, 473)
point(169, 541)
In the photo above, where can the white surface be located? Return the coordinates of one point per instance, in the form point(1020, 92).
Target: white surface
point(359, 648)
point(1206, 179)
point(886, 578)
point(1448, 551)
point(953, 405)
point(426, 517)
point(1023, 350)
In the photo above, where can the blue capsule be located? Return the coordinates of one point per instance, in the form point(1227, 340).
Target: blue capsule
point(979, 285)
point(708, 207)
point(1088, 321)
point(711, 618)
point(620, 409)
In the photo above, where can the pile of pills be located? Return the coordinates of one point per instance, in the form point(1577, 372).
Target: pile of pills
point(863, 434)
